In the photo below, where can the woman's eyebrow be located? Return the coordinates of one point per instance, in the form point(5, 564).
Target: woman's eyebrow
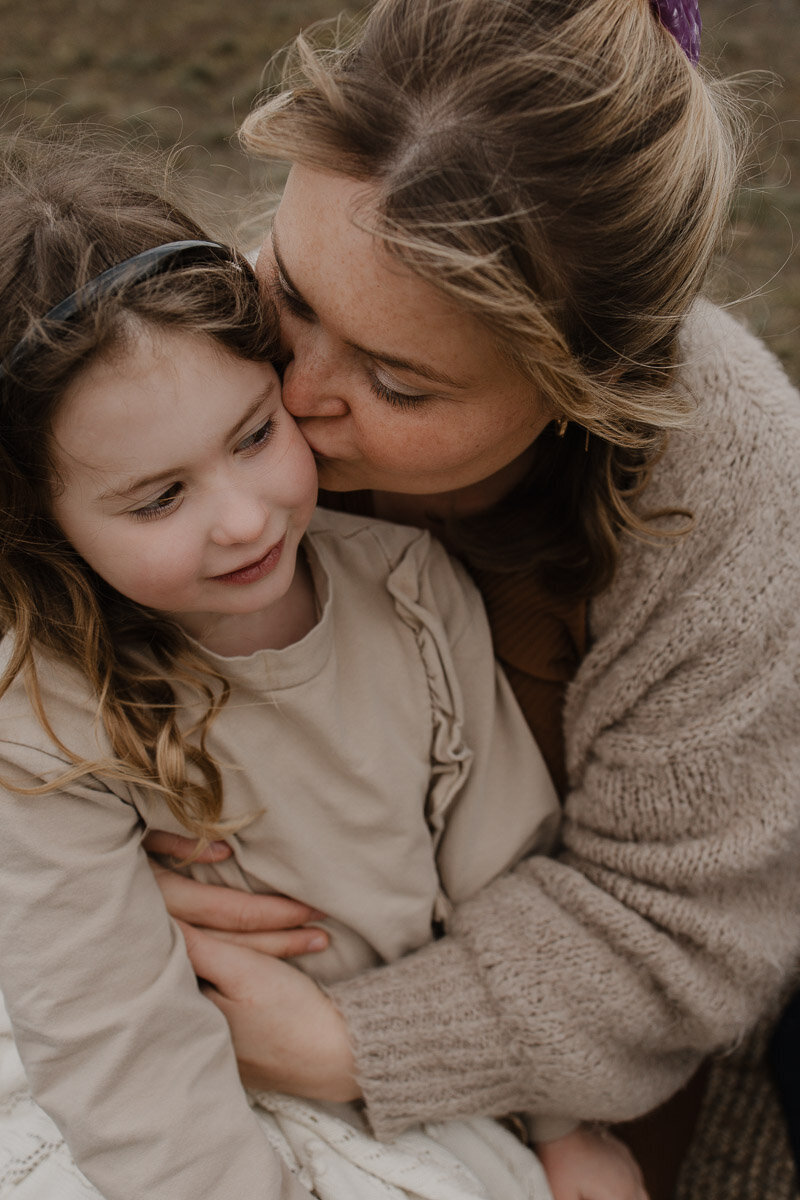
point(390, 360)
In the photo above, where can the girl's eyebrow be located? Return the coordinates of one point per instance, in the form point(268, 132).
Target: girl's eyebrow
point(390, 360)
point(146, 481)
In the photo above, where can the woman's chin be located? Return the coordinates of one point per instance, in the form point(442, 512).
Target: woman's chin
point(339, 477)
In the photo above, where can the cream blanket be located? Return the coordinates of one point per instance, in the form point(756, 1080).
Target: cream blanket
point(335, 1160)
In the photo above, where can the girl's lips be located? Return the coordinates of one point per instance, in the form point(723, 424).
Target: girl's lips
point(256, 570)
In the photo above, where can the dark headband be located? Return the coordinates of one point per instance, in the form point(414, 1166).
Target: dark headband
point(151, 262)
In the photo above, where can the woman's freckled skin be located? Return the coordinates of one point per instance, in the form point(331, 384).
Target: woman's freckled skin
point(352, 312)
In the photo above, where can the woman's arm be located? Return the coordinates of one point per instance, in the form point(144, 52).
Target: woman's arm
point(593, 983)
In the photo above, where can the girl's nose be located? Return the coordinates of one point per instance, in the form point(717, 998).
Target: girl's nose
point(239, 517)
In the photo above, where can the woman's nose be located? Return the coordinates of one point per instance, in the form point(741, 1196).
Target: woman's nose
point(314, 382)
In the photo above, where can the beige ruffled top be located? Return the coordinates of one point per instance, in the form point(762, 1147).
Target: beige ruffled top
point(384, 773)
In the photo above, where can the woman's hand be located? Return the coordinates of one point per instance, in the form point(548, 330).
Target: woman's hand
point(591, 1165)
point(272, 925)
point(287, 1034)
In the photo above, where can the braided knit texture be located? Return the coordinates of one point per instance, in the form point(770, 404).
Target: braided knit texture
point(590, 985)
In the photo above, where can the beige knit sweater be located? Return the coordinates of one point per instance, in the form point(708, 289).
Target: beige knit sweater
point(591, 985)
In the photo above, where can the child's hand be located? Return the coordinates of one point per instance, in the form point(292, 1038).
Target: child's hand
point(591, 1165)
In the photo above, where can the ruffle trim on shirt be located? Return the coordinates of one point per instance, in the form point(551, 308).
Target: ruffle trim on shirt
point(451, 757)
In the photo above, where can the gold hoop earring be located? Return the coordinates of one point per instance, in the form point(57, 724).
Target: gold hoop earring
point(561, 426)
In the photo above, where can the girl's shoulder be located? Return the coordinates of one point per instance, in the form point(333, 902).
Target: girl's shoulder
point(367, 557)
point(66, 698)
point(370, 550)
point(355, 534)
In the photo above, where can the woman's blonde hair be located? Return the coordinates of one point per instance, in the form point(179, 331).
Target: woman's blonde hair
point(70, 208)
point(559, 170)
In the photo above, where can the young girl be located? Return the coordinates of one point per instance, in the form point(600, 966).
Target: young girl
point(186, 644)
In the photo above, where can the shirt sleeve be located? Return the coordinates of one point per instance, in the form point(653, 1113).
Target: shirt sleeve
point(591, 984)
point(121, 1049)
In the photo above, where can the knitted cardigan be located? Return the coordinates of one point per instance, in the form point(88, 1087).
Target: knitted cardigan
point(591, 984)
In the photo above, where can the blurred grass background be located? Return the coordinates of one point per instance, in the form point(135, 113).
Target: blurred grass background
point(186, 71)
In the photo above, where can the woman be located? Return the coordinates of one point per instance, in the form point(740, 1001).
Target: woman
point(488, 256)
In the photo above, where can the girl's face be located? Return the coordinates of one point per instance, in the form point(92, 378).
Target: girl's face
point(181, 479)
point(394, 387)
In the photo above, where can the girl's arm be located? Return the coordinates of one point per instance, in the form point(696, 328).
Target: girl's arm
point(121, 1049)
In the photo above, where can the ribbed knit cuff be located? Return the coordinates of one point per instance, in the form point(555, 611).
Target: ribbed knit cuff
point(427, 1040)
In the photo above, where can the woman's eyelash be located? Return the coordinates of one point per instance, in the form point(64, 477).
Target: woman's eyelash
point(396, 399)
point(296, 305)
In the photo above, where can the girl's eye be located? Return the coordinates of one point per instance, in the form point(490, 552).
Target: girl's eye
point(395, 396)
point(159, 507)
point(289, 299)
point(259, 437)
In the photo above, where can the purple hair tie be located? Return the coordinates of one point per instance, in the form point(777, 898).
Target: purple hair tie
point(682, 19)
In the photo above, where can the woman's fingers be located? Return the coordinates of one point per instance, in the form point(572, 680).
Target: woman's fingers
point(172, 845)
point(229, 909)
point(591, 1164)
point(222, 966)
point(287, 1034)
point(282, 943)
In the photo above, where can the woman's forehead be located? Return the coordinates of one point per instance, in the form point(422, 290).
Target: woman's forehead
point(354, 285)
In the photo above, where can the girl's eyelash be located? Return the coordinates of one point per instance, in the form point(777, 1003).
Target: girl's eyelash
point(259, 437)
point(159, 507)
point(168, 500)
point(396, 399)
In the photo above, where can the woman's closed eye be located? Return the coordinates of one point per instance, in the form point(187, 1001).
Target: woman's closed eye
point(394, 393)
point(288, 298)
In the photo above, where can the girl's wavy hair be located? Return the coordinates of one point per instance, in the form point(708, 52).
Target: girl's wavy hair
point(560, 171)
point(71, 207)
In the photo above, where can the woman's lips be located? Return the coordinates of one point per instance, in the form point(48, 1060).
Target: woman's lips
point(255, 570)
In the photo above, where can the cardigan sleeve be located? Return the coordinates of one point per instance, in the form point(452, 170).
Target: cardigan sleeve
point(121, 1049)
point(591, 984)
